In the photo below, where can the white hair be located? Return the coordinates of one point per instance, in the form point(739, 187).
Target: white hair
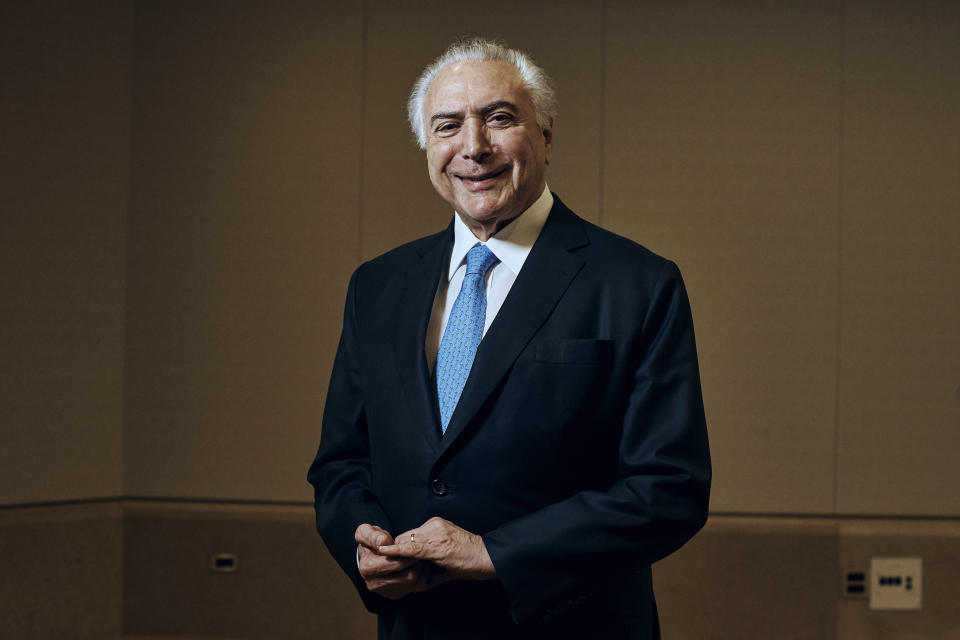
point(535, 79)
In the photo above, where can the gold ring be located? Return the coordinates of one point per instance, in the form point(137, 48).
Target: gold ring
point(413, 538)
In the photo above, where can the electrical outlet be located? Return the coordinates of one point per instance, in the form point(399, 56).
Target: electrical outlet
point(854, 583)
point(896, 583)
point(223, 563)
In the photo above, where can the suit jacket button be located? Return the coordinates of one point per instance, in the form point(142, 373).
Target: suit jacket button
point(438, 486)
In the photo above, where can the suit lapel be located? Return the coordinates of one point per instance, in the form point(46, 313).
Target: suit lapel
point(420, 288)
point(546, 274)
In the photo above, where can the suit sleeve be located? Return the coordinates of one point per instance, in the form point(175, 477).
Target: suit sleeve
point(340, 473)
point(660, 497)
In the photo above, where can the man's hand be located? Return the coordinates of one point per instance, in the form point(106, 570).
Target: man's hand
point(391, 578)
point(460, 554)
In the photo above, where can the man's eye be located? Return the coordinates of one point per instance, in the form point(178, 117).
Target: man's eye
point(500, 118)
point(446, 127)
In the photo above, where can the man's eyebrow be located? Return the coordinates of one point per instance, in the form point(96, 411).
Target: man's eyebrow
point(500, 104)
point(490, 108)
point(447, 115)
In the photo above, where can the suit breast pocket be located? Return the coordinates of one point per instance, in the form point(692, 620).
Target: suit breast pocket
point(564, 380)
point(584, 351)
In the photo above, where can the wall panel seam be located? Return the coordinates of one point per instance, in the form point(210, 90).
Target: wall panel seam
point(363, 129)
point(601, 188)
point(842, 27)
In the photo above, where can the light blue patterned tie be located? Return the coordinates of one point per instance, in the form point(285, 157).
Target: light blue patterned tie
point(463, 333)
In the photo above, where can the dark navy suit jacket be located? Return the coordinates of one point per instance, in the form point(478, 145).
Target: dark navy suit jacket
point(578, 449)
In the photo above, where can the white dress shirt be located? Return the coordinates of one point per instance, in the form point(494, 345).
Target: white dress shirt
point(511, 245)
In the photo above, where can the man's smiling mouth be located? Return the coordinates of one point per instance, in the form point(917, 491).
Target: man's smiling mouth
point(482, 176)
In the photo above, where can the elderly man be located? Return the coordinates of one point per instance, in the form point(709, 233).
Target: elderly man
point(514, 429)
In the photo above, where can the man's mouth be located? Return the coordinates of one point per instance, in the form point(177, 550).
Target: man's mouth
point(480, 178)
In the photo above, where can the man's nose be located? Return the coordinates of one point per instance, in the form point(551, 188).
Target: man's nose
point(476, 142)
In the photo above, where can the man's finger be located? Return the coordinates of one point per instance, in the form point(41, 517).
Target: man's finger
point(401, 551)
point(372, 564)
point(405, 548)
point(426, 542)
point(397, 585)
point(372, 536)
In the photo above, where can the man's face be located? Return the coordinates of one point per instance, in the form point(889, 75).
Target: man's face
point(486, 153)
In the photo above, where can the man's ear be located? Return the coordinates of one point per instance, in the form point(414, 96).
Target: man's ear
point(548, 140)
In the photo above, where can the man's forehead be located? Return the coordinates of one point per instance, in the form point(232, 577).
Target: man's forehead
point(497, 79)
point(478, 67)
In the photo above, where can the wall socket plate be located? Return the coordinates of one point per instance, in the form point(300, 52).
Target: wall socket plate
point(223, 562)
point(854, 583)
point(896, 583)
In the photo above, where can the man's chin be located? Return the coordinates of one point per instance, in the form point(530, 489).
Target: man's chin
point(491, 221)
point(482, 214)
point(480, 209)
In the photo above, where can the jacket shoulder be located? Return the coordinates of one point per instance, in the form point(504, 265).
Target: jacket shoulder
point(621, 247)
point(616, 253)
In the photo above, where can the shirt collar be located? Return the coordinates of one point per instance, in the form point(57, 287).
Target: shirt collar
point(511, 244)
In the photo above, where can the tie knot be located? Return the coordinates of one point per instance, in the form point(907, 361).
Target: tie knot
point(479, 259)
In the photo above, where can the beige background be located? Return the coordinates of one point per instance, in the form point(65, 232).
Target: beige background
point(187, 187)
point(65, 109)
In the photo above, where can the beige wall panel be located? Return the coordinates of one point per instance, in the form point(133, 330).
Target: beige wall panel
point(751, 578)
point(64, 152)
point(900, 350)
point(243, 233)
point(286, 585)
point(403, 37)
point(61, 572)
point(721, 153)
point(938, 543)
